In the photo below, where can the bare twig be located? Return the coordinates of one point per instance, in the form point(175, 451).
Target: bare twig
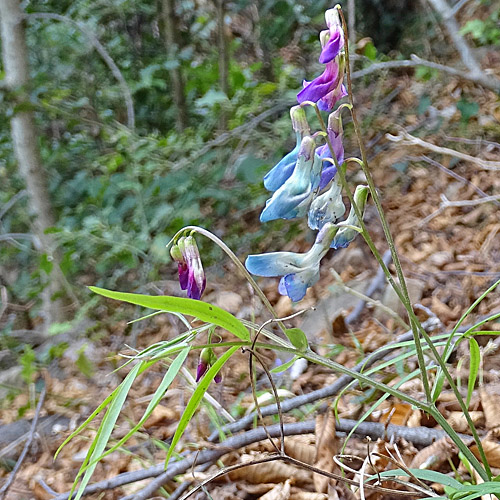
point(27, 446)
point(407, 139)
point(420, 436)
point(99, 47)
point(453, 174)
point(479, 79)
point(7, 206)
point(446, 203)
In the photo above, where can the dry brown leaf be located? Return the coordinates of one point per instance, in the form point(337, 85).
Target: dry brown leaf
point(398, 413)
point(308, 495)
point(255, 489)
point(490, 399)
point(491, 450)
point(459, 423)
point(326, 448)
point(161, 414)
point(297, 447)
point(271, 472)
point(279, 492)
point(433, 456)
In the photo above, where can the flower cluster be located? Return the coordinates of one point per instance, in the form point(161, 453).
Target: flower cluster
point(304, 181)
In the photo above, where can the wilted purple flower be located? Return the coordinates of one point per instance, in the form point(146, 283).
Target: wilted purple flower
point(299, 271)
point(191, 274)
point(207, 359)
point(328, 88)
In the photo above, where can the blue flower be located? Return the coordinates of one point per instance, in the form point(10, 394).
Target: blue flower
point(346, 234)
point(298, 271)
point(293, 198)
point(327, 207)
point(277, 176)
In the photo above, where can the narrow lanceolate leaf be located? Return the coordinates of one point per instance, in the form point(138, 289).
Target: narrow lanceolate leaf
point(169, 377)
point(105, 429)
point(196, 398)
point(197, 308)
point(475, 361)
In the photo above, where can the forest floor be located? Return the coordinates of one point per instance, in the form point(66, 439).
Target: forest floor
point(450, 255)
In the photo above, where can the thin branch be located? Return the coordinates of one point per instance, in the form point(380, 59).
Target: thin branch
point(7, 206)
point(27, 446)
point(99, 47)
point(482, 79)
point(446, 203)
point(406, 139)
point(453, 174)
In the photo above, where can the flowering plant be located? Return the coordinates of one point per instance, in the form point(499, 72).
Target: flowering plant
point(308, 181)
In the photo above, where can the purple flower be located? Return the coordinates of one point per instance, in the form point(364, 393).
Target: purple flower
point(207, 359)
point(328, 88)
point(335, 135)
point(335, 43)
point(299, 271)
point(191, 275)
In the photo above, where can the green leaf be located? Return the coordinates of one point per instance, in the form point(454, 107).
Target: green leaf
point(196, 398)
point(298, 338)
point(169, 377)
point(475, 361)
point(424, 474)
point(284, 366)
point(197, 308)
point(105, 429)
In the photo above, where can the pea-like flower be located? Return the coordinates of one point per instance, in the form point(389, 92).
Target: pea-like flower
point(327, 207)
point(298, 271)
point(293, 198)
point(346, 234)
point(278, 175)
point(328, 88)
point(191, 274)
point(206, 360)
point(335, 136)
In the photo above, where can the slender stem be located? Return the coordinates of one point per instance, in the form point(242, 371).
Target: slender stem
point(403, 295)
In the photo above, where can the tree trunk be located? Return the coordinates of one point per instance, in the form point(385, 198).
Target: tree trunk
point(171, 37)
point(223, 49)
point(25, 144)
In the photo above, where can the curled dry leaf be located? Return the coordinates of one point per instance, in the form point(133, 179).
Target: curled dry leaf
point(433, 456)
point(326, 447)
point(279, 492)
point(457, 420)
point(490, 400)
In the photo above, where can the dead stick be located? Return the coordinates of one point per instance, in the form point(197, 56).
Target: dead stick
point(27, 446)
